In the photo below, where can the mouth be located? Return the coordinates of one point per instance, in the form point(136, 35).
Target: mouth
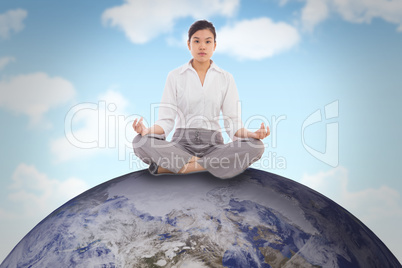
point(202, 54)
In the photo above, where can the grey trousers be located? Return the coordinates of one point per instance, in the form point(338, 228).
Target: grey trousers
point(221, 160)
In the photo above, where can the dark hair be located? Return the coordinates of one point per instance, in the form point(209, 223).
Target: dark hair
point(201, 25)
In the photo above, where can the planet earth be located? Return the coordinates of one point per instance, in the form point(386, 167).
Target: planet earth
point(257, 219)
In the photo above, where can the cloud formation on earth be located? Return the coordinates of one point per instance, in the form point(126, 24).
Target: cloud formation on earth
point(143, 20)
point(256, 38)
point(373, 207)
point(12, 21)
point(34, 94)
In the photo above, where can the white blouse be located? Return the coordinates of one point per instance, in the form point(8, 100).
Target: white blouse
point(194, 105)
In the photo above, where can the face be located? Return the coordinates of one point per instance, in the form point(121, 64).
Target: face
point(202, 45)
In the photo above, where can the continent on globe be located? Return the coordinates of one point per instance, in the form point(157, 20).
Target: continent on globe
point(257, 219)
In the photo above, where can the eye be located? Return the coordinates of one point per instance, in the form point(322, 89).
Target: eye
point(196, 41)
point(208, 42)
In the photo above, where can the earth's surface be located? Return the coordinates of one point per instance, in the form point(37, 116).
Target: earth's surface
point(257, 219)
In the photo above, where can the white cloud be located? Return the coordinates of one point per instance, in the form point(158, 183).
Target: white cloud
point(32, 196)
point(12, 20)
point(143, 20)
point(313, 13)
point(91, 127)
point(36, 195)
point(363, 11)
point(379, 208)
point(5, 61)
point(356, 11)
point(34, 94)
point(256, 38)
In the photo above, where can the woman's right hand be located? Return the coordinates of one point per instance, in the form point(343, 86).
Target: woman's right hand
point(140, 128)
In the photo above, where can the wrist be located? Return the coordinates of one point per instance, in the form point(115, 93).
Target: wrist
point(252, 135)
point(145, 132)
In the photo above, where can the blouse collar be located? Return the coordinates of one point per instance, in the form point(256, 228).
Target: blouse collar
point(188, 66)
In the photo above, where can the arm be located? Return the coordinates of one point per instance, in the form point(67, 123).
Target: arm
point(167, 108)
point(231, 111)
point(167, 112)
point(260, 134)
point(140, 128)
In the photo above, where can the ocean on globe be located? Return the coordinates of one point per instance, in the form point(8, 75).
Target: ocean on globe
point(257, 219)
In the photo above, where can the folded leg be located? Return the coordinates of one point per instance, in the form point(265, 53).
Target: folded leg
point(154, 148)
point(228, 160)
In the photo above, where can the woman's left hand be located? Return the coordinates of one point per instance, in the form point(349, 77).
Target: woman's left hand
point(261, 133)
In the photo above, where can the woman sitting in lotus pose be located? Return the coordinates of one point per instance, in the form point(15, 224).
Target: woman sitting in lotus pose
point(193, 98)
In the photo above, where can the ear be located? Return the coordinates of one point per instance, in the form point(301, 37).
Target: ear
point(215, 46)
point(188, 44)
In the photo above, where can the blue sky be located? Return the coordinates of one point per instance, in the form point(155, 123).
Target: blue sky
point(325, 74)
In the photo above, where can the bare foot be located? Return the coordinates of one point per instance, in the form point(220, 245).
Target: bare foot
point(191, 166)
point(162, 170)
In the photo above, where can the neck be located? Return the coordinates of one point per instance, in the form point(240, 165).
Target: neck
point(201, 66)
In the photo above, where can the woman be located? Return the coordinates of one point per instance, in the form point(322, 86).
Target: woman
point(194, 96)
